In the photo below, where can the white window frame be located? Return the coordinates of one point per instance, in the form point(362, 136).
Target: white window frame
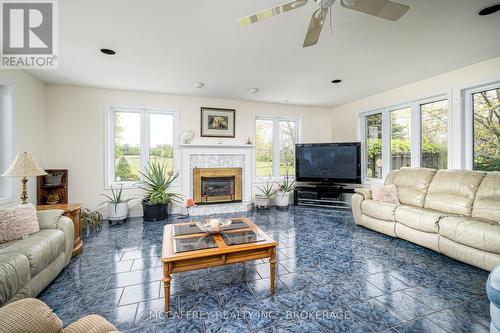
point(469, 119)
point(415, 134)
point(144, 148)
point(6, 141)
point(276, 145)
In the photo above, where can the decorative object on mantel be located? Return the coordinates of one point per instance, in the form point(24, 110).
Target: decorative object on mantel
point(249, 140)
point(24, 166)
point(187, 136)
point(117, 206)
point(217, 123)
point(156, 182)
point(52, 189)
point(267, 192)
point(284, 191)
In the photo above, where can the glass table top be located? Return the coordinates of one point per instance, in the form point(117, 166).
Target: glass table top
point(186, 229)
point(193, 244)
point(236, 224)
point(242, 237)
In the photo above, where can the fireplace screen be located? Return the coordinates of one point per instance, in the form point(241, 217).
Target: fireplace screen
point(217, 186)
point(212, 185)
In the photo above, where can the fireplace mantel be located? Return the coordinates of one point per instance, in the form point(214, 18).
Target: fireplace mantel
point(215, 145)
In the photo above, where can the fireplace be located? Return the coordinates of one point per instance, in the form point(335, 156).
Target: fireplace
point(216, 185)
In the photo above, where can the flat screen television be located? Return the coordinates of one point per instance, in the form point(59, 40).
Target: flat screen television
point(328, 162)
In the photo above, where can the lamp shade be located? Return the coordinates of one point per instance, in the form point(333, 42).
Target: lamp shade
point(24, 165)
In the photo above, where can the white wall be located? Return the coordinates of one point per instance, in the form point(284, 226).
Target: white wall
point(75, 135)
point(345, 117)
point(29, 123)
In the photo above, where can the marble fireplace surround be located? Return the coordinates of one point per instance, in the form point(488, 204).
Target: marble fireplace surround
point(218, 156)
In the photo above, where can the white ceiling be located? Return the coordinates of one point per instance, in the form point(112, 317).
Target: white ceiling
point(166, 45)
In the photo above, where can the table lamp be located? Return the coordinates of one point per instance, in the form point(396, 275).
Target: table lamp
point(24, 166)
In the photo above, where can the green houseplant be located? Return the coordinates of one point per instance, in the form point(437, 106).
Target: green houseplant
point(156, 182)
point(284, 191)
point(90, 220)
point(267, 192)
point(117, 205)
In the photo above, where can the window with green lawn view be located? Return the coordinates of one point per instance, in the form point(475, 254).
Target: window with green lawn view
point(139, 136)
point(486, 130)
point(390, 138)
point(275, 140)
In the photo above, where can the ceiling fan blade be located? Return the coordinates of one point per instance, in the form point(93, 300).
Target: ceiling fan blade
point(271, 12)
point(385, 9)
point(315, 26)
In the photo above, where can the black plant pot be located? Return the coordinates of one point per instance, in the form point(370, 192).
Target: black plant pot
point(154, 212)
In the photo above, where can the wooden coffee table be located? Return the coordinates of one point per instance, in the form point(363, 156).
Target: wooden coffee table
point(181, 253)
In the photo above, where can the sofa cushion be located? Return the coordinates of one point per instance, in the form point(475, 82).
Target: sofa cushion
point(18, 222)
point(477, 233)
point(379, 210)
point(14, 274)
point(419, 218)
point(453, 191)
point(487, 201)
point(41, 248)
point(412, 184)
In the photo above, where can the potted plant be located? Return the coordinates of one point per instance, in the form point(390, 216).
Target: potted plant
point(117, 206)
point(156, 182)
point(267, 192)
point(90, 220)
point(284, 191)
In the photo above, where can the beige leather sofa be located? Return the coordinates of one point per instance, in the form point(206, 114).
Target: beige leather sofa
point(28, 265)
point(31, 315)
point(454, 212)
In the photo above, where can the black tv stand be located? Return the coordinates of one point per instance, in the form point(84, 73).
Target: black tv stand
point(324, 195)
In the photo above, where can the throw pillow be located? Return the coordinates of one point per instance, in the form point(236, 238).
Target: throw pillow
point(18, 222)
point(387, 193)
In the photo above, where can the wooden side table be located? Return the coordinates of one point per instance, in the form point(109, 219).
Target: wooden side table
point(73, 212)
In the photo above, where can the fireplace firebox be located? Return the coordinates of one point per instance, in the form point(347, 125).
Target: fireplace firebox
point(216, 185)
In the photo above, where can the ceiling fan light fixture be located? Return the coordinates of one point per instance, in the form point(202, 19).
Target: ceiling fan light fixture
point(198, 85)
point(490, 9)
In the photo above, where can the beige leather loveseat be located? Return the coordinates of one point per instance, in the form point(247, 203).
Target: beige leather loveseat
point(454, 212)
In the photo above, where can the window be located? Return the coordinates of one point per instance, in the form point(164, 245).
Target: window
point(486, 129)
point(400, 138)
point(434, 140)
point(374, 146)
point(138, 136)
point(275, 140)
point(415, 134)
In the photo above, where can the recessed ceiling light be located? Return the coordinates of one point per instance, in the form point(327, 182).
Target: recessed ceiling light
point(108, 51)
point(491, 9)
point(336, 81)
point(198, 85)
point(253, 90)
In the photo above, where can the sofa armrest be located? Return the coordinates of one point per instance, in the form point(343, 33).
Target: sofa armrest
point(47, 219)
point(29, 315)
point(53, 219)
point(91, 323)
point(365, 192)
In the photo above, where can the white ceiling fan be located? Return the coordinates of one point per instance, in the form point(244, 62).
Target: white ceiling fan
point(386, 9)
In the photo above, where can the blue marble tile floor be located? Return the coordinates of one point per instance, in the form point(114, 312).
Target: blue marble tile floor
point(332, 276)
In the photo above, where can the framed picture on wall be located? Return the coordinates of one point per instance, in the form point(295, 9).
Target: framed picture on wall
point(217, 123)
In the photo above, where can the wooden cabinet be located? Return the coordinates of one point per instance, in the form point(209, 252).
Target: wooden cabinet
point(53, 193)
